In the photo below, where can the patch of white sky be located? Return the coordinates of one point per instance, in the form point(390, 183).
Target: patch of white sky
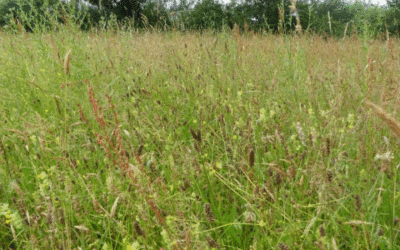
point(169, 2)
point(374, 2)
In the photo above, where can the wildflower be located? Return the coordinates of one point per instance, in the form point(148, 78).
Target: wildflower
point(386, 156)
point(135, 246)
point(11, 217)
point(262, 115)
point(386, 141)
point(33, 138)
point(42, 176)
point(301, 134)
point(310, 112)
point(323, 113)
point(350, 121)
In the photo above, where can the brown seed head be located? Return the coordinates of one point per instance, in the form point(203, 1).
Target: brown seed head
point(139, 150)
point(379, 232)
point(322, 231)
point(67, 59)
point(291, 172)
point(278, 179)
point(212, 243)
point(208, 212)
point(329, 175)
point(328, 146)
point(357, 201)
point(393, 124)
point(251, 157)
point(199, 135)
point(193, 133)
point(137, 228)
point(282, 246)
point(270, 172)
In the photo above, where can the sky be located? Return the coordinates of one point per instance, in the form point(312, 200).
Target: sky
point(375, 2)
point(379, 2)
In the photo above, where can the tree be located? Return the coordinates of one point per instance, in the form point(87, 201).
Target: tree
point(393, 3)
point(122, 8)
point(207, 14)
point(29, 12)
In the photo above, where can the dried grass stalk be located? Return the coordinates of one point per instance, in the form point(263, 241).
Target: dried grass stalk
point(114, 208)
point(67, 59)
point(82, 228)
point(357, 222)
point(393, 124)
point(13, 232)
point(17, 189)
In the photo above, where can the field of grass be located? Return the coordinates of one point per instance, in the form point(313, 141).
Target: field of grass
point(188, 141)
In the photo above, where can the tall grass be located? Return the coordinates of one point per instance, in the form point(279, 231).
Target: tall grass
point(233, 140)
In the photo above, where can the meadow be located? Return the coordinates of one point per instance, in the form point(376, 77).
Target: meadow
point(176, 140)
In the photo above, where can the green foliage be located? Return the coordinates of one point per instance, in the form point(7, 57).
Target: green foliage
point(122, 9)
point(296, 105)
point(336, 18)
point(207, 14)
point(156, 15)
point(39, 16)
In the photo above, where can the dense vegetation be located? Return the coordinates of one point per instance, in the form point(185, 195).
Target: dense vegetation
point(329, 18)
point(182, 135)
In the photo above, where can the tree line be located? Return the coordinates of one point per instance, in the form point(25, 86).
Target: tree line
point(325, 17)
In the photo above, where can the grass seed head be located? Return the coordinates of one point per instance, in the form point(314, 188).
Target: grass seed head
point(357, 201)
point(322, 231)
point(379, 232)
point(251, 157)
point(140, 150)
point(283, 246)
point(328, 147)
point(114, 208)
point(270, 172)
point(195, 135)
point(17, 189)
point(277, 179)
point(300, 184)
point(329, 175)
point(137, 228)
point(393, 124)
point(212, 243)
point(208, 212)
point(291, 172)
point(67, 59)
